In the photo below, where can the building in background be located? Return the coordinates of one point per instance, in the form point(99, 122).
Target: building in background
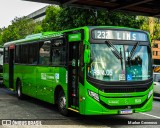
point(156, 52)
point(38, 15)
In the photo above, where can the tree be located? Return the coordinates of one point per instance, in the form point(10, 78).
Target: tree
point(1, 31)
point(1, 39)
point(70, 17)
point(9, 34)
point(20, 28)
point(151, 25)
point(50, 21)
point(23, 26)
point(38, 28)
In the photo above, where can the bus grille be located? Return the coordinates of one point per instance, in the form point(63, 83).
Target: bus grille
point(121, 87)
point(123, 90)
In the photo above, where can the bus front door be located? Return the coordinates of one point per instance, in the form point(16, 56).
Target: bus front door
point(73, 79)
point(11, 65)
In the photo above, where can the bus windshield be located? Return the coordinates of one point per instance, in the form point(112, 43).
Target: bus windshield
point(134, 63)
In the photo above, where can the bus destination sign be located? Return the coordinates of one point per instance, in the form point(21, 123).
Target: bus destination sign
point(119, 35)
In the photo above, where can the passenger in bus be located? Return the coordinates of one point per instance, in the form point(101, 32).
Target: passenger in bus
point(41, 56)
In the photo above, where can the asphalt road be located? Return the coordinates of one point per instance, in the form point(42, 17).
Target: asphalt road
point(31, 109)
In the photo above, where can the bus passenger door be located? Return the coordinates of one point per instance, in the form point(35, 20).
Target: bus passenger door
point(11, 65)
point(73, 79)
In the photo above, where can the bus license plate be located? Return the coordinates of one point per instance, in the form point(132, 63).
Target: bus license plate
point(126, 111)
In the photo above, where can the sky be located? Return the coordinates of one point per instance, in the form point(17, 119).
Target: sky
point(9, 9)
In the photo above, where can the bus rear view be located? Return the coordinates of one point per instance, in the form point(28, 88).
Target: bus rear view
point(119, 74)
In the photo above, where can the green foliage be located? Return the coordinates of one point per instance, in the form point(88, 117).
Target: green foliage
point(23, 26)
point(1, 39)
point(19, 29)
point(156, 32)
point(146, 26)
point(9, 34)
point(38, 27)
point(73, 17)
point(76, 17)
point(50, 21)
point(1, 31)
point(68, 17)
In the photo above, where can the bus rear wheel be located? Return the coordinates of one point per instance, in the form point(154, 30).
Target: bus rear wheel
point(19, 90)
point(62, 104)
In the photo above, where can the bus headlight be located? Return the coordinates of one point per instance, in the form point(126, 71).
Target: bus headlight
point(93, 95)
point(150, 93)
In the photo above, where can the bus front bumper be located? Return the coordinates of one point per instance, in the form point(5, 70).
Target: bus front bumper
point(107, 106)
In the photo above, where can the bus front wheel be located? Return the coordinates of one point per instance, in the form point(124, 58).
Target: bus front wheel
point(19, 90)
point(62, 104)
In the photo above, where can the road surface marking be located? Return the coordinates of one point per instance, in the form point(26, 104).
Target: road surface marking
point(151, 115)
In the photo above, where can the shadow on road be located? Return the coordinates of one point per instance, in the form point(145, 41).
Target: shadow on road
point(32, 108)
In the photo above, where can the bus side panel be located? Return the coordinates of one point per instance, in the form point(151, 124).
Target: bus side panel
point(40, 81)
point(61, 79)
point(47, 79)
point(29, 81)
point(82, 99)
point(44, 82)
point(17, 75)
point(88, 105)
point(6, 75)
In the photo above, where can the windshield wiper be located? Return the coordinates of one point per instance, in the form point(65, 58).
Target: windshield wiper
point(115, 51)
point(133, 50)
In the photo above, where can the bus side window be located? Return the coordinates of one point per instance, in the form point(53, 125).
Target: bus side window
point(17, 53)
point(58, 52)
point(6, 55)
point(44, 54)
point(33, 54)
point(24, 54)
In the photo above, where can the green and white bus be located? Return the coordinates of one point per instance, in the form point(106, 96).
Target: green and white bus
point(92, 70)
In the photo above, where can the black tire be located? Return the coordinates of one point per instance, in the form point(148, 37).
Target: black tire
point(62, 104)
point(19, 90)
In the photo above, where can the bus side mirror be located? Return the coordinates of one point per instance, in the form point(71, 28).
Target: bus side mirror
point(87, 56)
